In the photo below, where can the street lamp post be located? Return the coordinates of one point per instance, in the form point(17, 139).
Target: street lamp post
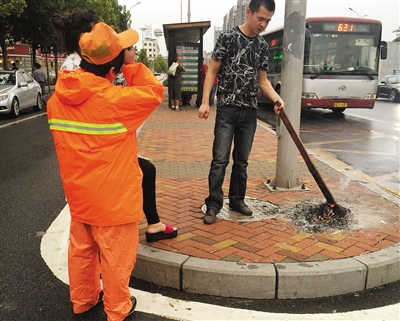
point(143, 29)
point(357, 13)
point(134, 5)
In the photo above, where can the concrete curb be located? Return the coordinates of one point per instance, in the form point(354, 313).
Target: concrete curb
point(268, 280)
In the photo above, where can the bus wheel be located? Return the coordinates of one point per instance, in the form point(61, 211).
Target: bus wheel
point(338, 110)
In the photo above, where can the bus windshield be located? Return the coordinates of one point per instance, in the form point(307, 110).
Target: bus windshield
point(342, 53)
point(340, 66)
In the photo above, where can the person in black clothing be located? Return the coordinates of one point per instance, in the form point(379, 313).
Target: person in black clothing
point(176, 84)
point(240, 57)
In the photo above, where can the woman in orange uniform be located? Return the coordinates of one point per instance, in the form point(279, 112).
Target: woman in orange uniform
point(94, 125)
point(68, 29)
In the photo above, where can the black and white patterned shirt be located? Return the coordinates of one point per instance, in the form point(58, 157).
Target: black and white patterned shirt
point(241, 58)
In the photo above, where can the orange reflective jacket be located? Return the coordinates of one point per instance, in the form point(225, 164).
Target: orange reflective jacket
point(94, 124)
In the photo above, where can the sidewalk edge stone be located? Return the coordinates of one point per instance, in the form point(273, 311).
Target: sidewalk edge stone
point(383, 266)
point(159, 266)
point(320, 279)
point(229, 279)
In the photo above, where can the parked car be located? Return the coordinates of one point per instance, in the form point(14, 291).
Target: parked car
point(18, 91)
point(389, 87)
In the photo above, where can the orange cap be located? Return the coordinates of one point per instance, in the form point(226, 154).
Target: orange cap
point(103, 44)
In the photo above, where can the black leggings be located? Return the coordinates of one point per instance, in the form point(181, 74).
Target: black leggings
point(149, 191)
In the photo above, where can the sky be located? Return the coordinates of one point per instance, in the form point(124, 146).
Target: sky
point(159, 12)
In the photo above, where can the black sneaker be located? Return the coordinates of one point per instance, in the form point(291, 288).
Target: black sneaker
point(133, 299)
point(210, 216)
point(241, 207)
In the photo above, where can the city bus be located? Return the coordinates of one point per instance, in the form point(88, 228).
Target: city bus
point(341, 61)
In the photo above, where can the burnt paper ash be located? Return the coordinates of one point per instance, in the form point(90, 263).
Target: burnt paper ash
point(316, 217)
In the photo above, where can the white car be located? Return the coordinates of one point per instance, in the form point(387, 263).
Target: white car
point(18, 91)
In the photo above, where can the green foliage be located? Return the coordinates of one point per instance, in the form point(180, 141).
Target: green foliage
point(29, 21)
point(142, 57)
point(397, 31)
point(123, 17)
point(160, 64)
point(9, 7)
point(8, 10)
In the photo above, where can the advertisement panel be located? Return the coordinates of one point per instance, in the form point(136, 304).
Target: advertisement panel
point(188, 54)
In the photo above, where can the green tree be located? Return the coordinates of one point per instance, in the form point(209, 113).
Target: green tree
point(142, 57)
point(29, 21)
point(397, 32)
point(7, 9)
point(122, 15)
point(160, 64)
point(33, 26)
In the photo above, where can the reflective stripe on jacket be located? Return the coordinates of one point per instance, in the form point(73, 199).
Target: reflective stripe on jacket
point(94, 123)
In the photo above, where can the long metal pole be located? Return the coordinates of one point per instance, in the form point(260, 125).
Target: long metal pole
point(292, 77)
point(188, 10)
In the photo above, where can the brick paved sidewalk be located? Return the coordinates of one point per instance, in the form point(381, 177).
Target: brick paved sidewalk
point(179, 144)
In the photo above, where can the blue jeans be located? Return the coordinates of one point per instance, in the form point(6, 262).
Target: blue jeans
point(43, 87)
point(235, 124)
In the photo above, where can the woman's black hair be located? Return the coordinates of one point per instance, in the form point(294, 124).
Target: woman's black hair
point(102, 70)
point(69, 29)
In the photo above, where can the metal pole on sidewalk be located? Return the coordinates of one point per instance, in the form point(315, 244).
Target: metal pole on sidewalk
point(48, 74)
point(189, 11)
point(292, 78)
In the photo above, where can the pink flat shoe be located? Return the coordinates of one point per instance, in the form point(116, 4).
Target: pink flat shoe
point(169, 233)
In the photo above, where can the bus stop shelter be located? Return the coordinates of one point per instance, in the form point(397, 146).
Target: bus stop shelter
point(185, 42)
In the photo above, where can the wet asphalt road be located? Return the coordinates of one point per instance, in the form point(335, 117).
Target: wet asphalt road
point(365, 139)
point(31, 197)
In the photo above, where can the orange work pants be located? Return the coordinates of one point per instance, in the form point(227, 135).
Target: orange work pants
point(118, 246)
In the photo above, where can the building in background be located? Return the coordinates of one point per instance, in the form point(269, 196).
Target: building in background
point(231, 18)
point(241, 12)
point(152, 47)
point(391, 65)
point(217, 32)
point(149, 42)
point(225, 22)
point(21, 55)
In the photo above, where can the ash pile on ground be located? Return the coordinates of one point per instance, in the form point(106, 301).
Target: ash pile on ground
point(312, 217)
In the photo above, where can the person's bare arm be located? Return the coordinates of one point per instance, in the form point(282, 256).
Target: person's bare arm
point(204, 109)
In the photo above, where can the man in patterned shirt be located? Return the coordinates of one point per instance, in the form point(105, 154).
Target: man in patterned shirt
point(240, 58)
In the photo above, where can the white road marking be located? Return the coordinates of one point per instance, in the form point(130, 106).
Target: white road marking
point(54, 252)
point(15, 122)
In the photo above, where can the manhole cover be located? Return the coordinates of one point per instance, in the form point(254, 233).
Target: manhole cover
point(261, 211)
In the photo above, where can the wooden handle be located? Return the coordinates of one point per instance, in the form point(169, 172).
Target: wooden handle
point(324, 189)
